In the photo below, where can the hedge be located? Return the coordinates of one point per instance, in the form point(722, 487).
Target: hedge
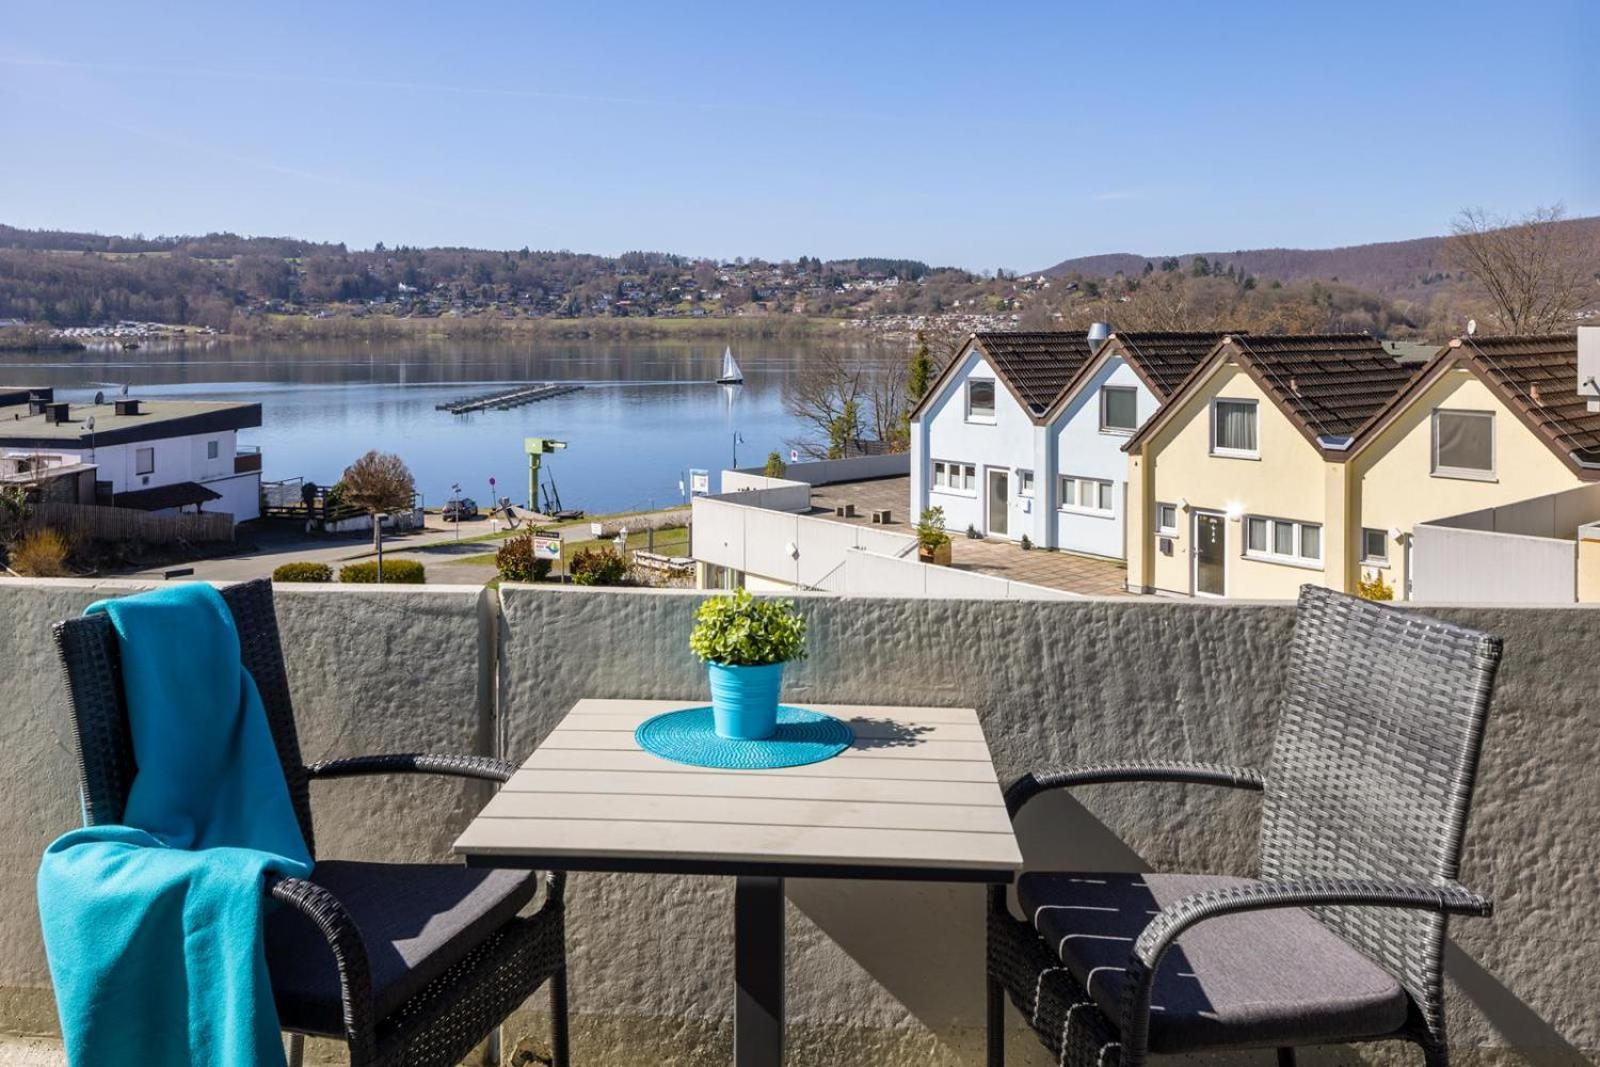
point(303, 572)
point(395, 571)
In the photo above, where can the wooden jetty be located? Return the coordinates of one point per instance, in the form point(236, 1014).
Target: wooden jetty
point(505, 399)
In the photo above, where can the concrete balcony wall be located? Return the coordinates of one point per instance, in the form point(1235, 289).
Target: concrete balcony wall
point(880, 973)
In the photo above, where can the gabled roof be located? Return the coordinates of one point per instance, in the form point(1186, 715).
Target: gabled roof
point(1328, 385)
point(1162, 360)
point(1034, 367)
point(1535, 376)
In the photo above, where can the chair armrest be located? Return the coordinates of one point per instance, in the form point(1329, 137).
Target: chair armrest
point(1446, 898)
point(349, 956)
point(485, 768)
point(1033, 783)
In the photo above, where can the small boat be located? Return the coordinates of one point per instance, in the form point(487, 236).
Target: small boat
point(731, 374)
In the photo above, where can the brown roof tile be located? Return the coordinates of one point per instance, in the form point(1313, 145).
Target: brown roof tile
point(1037, 366)
point(1165, 359)
point(1538, 376)
point(1329, 384)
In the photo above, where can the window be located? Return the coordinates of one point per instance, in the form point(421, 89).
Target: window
point(1283, 541)
point(960, 477)
point(980, 399)
point(1166, 518)
point(1463, 444)
point(1119, 409)
point(1375, 547)
point(213, 448)
point(1233, 428)
point(144, 461)
point(1024, 483)
point(1086, 494)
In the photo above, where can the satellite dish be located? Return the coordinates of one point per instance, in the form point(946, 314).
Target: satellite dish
point(124, 390)
point(88, 424)
point(99, 398)
point(1472, 327)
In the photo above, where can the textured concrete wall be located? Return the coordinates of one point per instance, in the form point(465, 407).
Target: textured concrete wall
point(879, 973)
point(1063, 682)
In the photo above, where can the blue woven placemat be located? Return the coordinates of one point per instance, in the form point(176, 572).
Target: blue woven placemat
point(689, 736)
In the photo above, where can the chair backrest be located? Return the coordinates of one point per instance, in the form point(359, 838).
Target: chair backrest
point(1373, 768)
point(89, 658)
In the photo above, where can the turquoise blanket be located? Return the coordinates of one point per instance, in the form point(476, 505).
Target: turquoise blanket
point(153, 928)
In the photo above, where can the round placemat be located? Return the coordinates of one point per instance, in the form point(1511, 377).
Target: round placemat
point(689, 736)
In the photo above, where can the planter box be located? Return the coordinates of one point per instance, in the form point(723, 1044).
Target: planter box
point(939, 556)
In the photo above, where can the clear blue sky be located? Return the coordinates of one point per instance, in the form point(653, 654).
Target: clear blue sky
point(971, 134)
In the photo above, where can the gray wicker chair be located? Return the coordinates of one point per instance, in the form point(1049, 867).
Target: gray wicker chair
point(408, 964)
point(1341, 938)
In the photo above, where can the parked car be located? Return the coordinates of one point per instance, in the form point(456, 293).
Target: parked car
point(461, 510)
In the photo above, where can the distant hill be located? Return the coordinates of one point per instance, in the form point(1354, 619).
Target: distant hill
point(1390, 268)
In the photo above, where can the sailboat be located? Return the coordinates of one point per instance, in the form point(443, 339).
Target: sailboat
point(731, 374)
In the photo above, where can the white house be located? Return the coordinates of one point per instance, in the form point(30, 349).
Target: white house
point(155, 455)
point(1023, 432)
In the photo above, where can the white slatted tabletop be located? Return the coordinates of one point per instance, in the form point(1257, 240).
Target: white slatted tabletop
point(914, 797)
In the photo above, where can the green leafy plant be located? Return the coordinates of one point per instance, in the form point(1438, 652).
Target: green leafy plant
point(397, 571)
point(517, 561)
point(303, 572)
point(930, 529)
point(775, 467)
point(741, 631)
point(598, 566)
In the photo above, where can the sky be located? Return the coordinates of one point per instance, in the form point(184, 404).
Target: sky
point(975, 135)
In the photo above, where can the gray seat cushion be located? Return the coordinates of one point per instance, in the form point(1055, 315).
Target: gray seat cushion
point(1255, 980)
point(416, 920)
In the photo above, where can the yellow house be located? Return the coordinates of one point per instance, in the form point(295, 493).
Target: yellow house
point(1286, 460)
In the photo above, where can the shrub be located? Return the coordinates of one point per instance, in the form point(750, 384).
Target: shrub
point(396, 571)
point(930, 529)
point(517, 562)
point(598, 566)
point(1374, 588)
point(741, 631)
point(775, 467)
point(303, 572)
point(40, 554)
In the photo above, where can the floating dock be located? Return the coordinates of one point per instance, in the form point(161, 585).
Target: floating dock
point(505, 399)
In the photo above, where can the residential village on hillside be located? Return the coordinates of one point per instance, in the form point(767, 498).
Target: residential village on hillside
point(1202, 465)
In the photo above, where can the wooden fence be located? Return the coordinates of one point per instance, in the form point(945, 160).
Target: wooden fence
point(91, 522)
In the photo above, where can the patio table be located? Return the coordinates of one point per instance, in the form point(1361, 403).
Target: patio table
point(915, 797)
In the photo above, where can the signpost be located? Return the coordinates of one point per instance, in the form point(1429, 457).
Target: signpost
point(548, 546)
point(699, 481)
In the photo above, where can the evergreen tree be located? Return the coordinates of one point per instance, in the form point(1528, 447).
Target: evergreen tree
point(921, 375)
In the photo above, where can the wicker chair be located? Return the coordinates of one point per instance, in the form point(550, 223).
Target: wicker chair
point(1341, 939)
point(411, 964)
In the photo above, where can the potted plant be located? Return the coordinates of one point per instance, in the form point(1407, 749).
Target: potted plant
point(744, 643)
point(933, 543)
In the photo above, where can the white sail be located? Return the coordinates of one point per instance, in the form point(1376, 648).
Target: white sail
point(730, 367)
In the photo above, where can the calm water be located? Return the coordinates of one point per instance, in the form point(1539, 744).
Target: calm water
point(649, 411)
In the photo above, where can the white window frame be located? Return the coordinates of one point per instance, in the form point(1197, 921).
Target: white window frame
point(956, 478)
point(1162, 528)
point(1270, 554)
point(1367, 558)
point(1119, 431)
point(994, 405)
point(1235, 453)
point(1440, 471)
point(1077, 506)
point(1024, 482)
point(139, 469)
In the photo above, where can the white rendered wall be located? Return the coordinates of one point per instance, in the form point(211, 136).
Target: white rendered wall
point(1080, 448)
point(1009, 442)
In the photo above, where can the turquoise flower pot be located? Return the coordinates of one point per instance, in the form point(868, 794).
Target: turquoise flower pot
point(744, 700)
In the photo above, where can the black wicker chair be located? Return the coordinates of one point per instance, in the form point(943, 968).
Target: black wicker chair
point(409, 964)
point(1341, 939)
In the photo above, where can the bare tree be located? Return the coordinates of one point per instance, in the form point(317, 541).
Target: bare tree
point(843, 396)
point(1535, 271)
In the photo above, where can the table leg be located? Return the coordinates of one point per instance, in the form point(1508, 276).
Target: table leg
point(758, 972)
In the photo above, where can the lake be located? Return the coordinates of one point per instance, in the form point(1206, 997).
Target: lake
point(648, 413)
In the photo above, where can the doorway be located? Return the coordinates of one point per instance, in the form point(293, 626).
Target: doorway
point(999, 481)
point(1210, 554)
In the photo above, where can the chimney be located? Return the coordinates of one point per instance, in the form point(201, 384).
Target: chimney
point(1098, 332)
point(127, 407)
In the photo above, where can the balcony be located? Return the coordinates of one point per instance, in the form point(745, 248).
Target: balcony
point(247, 459)
point(1058, 681)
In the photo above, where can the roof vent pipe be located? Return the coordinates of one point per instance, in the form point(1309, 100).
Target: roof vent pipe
point(1098, 332)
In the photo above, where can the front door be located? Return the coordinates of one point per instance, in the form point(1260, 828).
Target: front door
point(1210, 554)
point(998, 480)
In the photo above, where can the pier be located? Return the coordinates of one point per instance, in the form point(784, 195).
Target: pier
point(507, 398)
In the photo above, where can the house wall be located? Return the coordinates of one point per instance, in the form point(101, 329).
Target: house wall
point(1288, 481)
point(1080, 448)
point(177, 459)
point(1396, 489)
point(1010, 442)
